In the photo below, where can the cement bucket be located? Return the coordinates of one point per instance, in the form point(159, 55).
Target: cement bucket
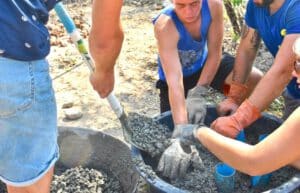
point(157, 185)
point(94, 149)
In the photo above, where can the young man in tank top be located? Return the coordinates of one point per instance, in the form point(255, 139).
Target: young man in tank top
point(189, 36)
point(277, 23)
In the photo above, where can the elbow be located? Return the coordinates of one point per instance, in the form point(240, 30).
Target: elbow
point(255, 167)
point(282, 72)
point(251, 162)
point(252, 171)
point(105, 42)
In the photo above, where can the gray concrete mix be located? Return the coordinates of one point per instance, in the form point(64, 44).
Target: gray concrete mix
point(81, 180)
point(201, 179)
point(84, 180)
point(149, 134)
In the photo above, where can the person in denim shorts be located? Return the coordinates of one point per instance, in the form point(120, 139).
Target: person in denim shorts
point(28, 121)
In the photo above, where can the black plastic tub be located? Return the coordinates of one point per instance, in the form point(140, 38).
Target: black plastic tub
point(94, 149)
point(157, 185)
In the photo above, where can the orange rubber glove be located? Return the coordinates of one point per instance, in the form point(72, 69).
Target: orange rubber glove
point(236, 96)
point(231, 126)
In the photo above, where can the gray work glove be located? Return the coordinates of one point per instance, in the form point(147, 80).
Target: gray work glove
point(196, 104)
point(176, 159)
point(186, 133)
point(180, 155)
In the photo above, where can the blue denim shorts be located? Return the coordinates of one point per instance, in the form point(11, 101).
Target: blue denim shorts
point(28, 121)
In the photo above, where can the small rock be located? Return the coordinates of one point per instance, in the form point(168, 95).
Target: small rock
point(61, 66)
point(73, 113)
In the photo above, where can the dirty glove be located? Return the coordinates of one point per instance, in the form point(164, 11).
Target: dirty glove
point(186, 133)
point(231, 126)
point(196, 104)
point(176, 159)
point(236, 96)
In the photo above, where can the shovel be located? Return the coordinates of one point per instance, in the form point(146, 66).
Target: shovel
point(78, 41)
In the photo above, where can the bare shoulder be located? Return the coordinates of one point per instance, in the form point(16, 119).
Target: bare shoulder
point(164, 26)
point(215, 7)
point(163, 23)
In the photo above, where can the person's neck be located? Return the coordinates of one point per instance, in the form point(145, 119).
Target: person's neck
point(275, 5)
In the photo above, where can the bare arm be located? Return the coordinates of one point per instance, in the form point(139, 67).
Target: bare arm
point(272, 84)
point(214, 43)
point(167, 38)
point(105, 42)
point(280, 148)
point(249, 44)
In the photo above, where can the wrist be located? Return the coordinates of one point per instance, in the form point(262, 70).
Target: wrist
point(200, 132)
point(197, 91)
point(237, 92)
point(185, 133)
point(179, 129)
point(247, 113)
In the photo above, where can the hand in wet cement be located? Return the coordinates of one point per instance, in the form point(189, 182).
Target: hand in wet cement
point(196, 104)
point(186, 133)
point(176, 159)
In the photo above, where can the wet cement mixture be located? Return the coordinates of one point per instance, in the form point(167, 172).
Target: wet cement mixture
point(149, 134)
point(201, 179)
point(82, 180)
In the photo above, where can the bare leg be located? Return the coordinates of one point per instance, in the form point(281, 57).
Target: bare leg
point(41, 186)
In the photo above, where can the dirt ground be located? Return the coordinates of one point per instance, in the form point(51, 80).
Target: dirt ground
point(135, 73)
point(136, 69)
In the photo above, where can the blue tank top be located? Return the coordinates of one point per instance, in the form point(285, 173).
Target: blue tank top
point(22, 27)
point(192, 53)
point(273, 28)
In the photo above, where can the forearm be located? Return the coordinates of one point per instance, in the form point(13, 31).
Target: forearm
point(280, 78)
point(272, 84)
point(210, 69)
point(214, 44)
point(105, 49)
point(235, 153)
point(280, 148)
point(177, 103)
point(243, 64)
point(106, 35)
